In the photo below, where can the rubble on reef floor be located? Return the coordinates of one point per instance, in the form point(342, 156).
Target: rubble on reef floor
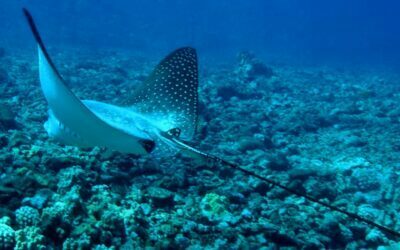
point(331, 133)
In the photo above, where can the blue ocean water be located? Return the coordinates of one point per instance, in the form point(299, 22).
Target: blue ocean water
point(305, 31)
point(304, 93)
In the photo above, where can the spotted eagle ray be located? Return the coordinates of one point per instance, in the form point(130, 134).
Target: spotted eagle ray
point(163, 116)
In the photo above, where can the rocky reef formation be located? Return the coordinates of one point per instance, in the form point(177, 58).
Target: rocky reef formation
point(330, 133)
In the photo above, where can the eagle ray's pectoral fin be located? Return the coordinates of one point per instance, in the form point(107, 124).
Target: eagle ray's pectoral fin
point(72, 113)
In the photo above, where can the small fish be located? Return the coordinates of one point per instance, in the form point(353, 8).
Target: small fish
point(161, 120)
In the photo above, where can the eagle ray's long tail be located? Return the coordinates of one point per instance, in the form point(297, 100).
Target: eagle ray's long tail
point(306, 196)
point(214, 159)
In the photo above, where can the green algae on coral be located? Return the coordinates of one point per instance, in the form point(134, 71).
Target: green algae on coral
point(214, 207)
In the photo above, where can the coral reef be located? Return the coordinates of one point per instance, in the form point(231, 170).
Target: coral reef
point(27, 216)
point(7, 116)
point(323, 131)
point(214, 207)
point(29, 238)
point(250, 68)
point(7, 237)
